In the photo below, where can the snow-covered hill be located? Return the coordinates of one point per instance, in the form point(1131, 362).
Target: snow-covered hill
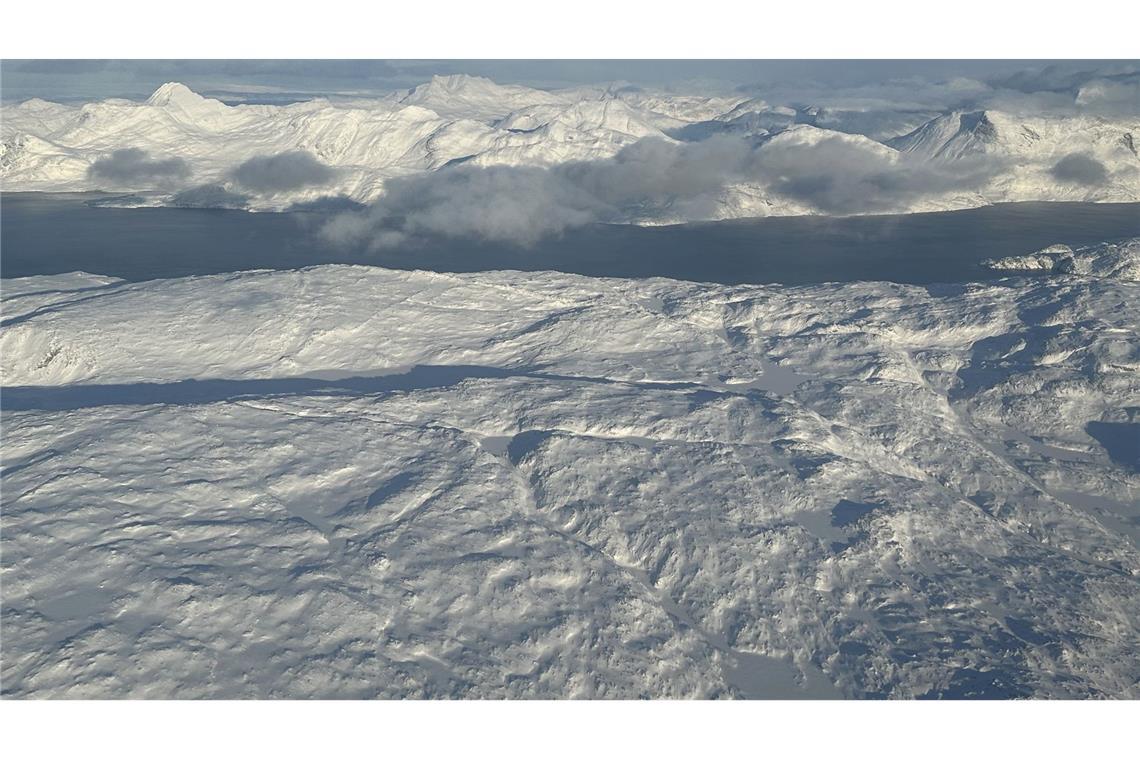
point(52, 147)
point(472, 121)
point(465, 97)
point(354, 482)
point(1034, 149)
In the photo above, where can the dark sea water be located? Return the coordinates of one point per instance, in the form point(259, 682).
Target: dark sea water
point(53, 233)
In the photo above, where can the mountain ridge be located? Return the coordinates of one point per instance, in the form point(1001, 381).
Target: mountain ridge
point(472, 120)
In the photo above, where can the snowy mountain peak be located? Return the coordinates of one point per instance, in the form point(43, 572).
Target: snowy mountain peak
point(36, 104)
point(459, 87)
point(174, 93)
point(171, 92)
point(456, 82)
point(978, 124)
point(462, 96)
point(183, 104)
point(952, 135)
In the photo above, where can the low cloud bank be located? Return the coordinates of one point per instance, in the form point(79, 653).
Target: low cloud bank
point(131, 166)
point(282, 173)
point(509, 204)
point(522, 205)
point(839, 176)
point(1120, 94)
point(1080, 169)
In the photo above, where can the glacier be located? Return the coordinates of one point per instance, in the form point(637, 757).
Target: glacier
point(347, 481)
point(471, 121)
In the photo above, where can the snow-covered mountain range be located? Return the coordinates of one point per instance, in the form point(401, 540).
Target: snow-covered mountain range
point(349, 481)
point(356, 482)
point(178, 147)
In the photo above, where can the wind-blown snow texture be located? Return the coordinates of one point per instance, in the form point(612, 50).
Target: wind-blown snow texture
point(355, 482)
point(798, 160)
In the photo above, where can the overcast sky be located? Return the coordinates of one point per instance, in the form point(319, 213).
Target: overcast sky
point(64, 80)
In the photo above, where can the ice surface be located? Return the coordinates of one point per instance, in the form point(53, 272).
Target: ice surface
point(357, 482)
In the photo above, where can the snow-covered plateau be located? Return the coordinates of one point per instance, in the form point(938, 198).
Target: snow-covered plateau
point(180, 148)
point(349, 481)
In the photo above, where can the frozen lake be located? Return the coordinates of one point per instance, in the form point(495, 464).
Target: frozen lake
point(54, 233)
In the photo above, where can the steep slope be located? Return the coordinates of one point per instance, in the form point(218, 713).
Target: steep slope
point(951, 136)
point(178, 99)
